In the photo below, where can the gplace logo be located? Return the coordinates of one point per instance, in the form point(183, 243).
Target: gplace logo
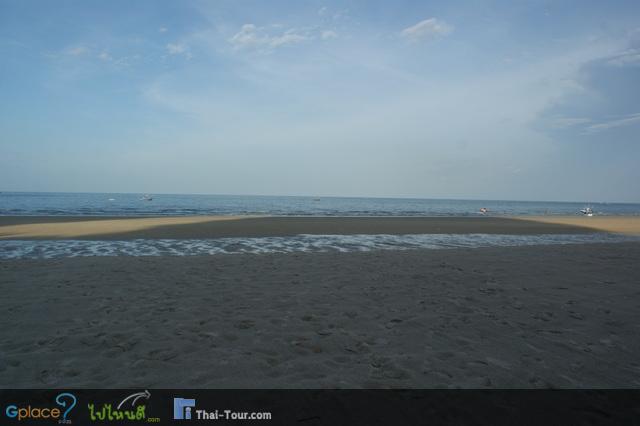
point(65, 400)
point(182, 408)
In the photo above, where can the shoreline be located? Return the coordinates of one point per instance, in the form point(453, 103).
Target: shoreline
point(208, 227)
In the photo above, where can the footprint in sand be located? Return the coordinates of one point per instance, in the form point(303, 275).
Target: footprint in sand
point(245, 324)
point(384, 367)
point(576, 315)
point(230, 337)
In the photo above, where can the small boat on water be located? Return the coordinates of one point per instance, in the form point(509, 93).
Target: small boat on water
point(146, 197)
point(587, 211)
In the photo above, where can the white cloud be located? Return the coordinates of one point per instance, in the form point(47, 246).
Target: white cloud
point(176, 49)
point(628, 120)
point(289, 37)
point(162, 30)
point(179, 49)
point(427, 29)
point(105, 56)
point(337, 15)
point(627, 57)
point(563, 122)
point(328, 34)
point(341, 14)
point(77, 50)
point(247, 36)
point(258, 37)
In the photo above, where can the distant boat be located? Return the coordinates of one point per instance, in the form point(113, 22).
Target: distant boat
point(587, 211)
point(146, 197)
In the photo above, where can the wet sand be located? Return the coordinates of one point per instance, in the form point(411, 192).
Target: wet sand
point(194, 227)
point(523, 317)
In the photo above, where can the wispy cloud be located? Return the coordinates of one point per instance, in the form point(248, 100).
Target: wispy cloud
point(564, 122)
point(328, 34)
point(251, 36)
point(77, 50)
point(627, 57)
point(179, 49)
point(427, 29)
point(341, 14)
point(626, 121)
point(92, 53)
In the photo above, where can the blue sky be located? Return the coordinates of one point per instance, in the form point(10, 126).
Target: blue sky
point(499, 99)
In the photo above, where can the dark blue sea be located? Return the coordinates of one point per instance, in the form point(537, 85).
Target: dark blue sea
point(96, 204)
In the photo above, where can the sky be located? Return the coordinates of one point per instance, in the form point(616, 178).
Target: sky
point(520, 100)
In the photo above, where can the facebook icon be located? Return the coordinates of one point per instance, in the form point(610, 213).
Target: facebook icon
point(182, 408)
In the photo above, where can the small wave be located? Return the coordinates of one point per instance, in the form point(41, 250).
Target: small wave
point(50, 249)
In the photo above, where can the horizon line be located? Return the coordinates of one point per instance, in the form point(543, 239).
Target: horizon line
point(327, 196)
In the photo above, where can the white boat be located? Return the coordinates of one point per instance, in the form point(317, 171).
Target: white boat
point(146, 197)
point(587, 211)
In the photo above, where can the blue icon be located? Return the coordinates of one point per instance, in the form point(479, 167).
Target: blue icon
point(62, 403)
point(12, 411)
point(182, 408)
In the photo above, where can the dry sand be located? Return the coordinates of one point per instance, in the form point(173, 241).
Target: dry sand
point(619, 224)
point(241, 226)
point(532, 317)
point(65, 227)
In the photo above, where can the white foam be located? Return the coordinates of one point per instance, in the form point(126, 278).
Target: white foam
point(50, 249)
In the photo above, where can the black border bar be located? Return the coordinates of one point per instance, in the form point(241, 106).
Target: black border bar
point(330, 407)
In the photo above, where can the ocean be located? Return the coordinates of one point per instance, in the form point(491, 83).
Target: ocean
point(103, 204)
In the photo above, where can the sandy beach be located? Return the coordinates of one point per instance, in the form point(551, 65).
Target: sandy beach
point(123, 228)
point(525, 317)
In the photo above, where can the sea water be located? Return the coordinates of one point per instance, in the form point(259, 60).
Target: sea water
point(99, 204)
point(53, 249)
